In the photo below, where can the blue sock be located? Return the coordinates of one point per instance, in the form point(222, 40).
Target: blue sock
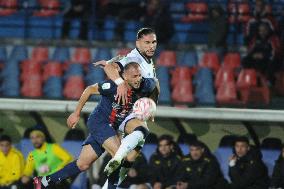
point(70, 170)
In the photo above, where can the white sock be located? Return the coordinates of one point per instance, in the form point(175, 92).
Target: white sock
point(128, 144)
point(105, 186)
point(44, 181)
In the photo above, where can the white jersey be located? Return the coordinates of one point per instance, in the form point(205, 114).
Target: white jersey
point(147, 65)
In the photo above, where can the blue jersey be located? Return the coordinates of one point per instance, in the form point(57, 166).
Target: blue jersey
point(110, 111)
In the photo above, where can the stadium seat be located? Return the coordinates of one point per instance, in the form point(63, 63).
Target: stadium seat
point(226, 93)
point(32, 87)
point(182, 92)
point(40, 54)
point(163, 76)
point(243, 12)
point(73, 70)
point(74, 87)
point(222, 154)
point(269, 157)
point(3, 54)
point(184, 148)
point(188, 58)
point(48, 8)
point(52, 68)
point(210, 60)
point(123, 52)
point(109, 27)
point(8, 7)
point(61, 54)
point(19, 53)
point(102, 54)
point(25, 146)
point(81, 55)
point(148, 150)
point(223, 76)
point(73, 147)
point(80, 182)
point(167, 58)
point(204, 92)
point(53, 88)
point(180, 74)
point(197, 12)
point(247, 78)
point(232, 60)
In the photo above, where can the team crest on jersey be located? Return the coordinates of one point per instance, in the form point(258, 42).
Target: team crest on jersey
point(106, 86)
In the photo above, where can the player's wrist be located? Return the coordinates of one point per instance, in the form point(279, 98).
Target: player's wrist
point(119, 81)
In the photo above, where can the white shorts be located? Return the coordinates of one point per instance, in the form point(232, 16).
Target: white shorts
point(125, 121)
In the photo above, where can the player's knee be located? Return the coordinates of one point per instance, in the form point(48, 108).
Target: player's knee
point(83, 166)
point(142, 129)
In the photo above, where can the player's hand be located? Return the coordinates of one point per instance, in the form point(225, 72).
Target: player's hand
point(100, 63)
point(25, 179)
point(73, 120)
point(121, 95)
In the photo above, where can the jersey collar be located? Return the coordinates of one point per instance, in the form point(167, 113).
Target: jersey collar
point(148, 60)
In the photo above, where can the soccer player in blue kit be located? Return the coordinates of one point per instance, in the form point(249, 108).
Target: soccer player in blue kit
point(103, 122)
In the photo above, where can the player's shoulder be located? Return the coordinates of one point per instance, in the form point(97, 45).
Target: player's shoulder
point(107, 84)
point(148, 83)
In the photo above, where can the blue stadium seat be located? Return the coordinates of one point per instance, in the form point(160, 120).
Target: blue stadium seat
point(131, 28)
point(12, 26)
point(148, 150)
point(269, 157)
point(188, 58)
point(222, 154)
point(3, 53)
point(74, 70)
point(163, 76)
point(102, 54)
point(25, 146)
point(41, 27)
point(19, 53)
point(61, 54)
point(176, 6)
point(109, 27)
point(80, 182)
point(53, 87)
point(204, 88)
point(184, 148)
point(180, 37)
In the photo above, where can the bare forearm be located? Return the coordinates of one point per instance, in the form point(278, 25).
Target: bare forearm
point(82, 101)
point(111, 71)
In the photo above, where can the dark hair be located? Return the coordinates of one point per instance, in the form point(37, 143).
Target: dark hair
point(5, 138)
point(144, 31)
point(242, 139)
point(198, 144)
point(167, 138)
point(131, 64)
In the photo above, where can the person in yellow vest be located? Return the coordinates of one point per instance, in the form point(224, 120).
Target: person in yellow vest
point(11, 163)
point(45, 159)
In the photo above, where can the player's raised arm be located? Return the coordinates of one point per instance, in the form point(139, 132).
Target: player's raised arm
point(75, 116)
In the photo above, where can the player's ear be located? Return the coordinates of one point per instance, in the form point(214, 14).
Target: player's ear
point(124, 76)
point(137, 43)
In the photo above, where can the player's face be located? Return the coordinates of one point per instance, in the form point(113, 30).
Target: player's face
point(5, 147)
point(37, 140)
point(196, 152)
point(241, 148)
point(165, 147)
point(147, 45)
point(133, 77)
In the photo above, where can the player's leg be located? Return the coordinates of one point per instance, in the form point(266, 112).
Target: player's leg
point(137, 132)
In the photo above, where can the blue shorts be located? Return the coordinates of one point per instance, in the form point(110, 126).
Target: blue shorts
point(99, 133)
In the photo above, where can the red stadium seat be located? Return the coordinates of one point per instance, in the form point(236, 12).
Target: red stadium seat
point(232, 60)
point(73, 87)
point(247, 78)
point(82, 55)
point(182, 92)
point(210, 60)
point(180, 73)
point(52, 69)
point(197, 12)
point(167, 58)
point(123, 52)
point(32, 86)
point(226, 93)
point(40, 54)
point(8, 7)
point(223, 76)
point(48, 8)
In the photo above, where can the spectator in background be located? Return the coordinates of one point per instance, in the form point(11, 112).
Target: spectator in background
point(200, 170)
point(217, 27)
point(277, 180)
point(158, 17)
point(79, 9)
point(164, 164)
point(11, 163)
point(263, 52)
point(246, 168)
point(46, 159)
point(261, 14)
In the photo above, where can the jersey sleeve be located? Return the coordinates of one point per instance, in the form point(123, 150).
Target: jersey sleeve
point(107, 88)
point(149, 85)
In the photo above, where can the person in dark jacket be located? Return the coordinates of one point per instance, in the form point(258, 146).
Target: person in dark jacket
point(200, 170)
point(277, 180)
point(164, 164)
point(246, 168)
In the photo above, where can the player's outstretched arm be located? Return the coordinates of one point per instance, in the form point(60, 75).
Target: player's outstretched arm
point(75, 116)
point(112, 71)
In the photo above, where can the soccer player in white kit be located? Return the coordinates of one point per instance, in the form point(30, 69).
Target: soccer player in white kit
point(146, 44)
